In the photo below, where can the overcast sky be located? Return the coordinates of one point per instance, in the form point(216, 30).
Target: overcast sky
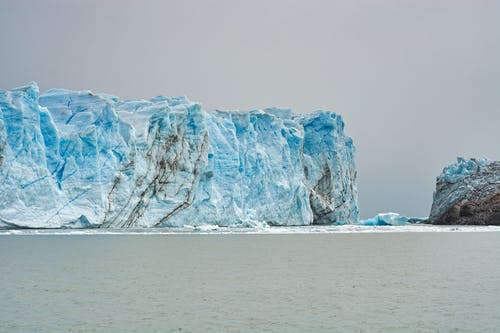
point(417, 82)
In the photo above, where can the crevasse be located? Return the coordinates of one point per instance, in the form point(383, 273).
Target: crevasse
point(78, 159)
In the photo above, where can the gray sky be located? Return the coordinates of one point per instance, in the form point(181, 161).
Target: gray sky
point(417, 82)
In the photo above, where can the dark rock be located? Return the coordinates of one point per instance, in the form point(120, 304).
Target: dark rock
point(468, 193)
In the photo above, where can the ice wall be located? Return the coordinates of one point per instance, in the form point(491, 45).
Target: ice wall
point(78, 159)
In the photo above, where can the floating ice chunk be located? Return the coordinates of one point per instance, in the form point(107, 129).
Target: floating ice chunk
point(390, 219)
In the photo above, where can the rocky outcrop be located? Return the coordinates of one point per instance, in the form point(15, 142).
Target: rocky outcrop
point(468, 192)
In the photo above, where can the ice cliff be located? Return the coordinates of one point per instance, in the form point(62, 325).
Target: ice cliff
point(78, 159)
point(467, 192)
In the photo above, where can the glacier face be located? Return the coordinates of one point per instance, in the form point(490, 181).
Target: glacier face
point(78, 159)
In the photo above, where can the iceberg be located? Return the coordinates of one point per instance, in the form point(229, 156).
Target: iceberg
point(75, 159)
point(394, 219)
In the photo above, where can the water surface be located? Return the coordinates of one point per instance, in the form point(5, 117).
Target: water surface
point(316, 282)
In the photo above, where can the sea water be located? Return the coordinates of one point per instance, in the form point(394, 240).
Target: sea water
point(277, 280)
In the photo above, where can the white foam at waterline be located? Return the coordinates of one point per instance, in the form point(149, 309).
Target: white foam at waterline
point(215, 230)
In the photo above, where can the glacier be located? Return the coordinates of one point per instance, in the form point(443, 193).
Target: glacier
point(75, 159)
